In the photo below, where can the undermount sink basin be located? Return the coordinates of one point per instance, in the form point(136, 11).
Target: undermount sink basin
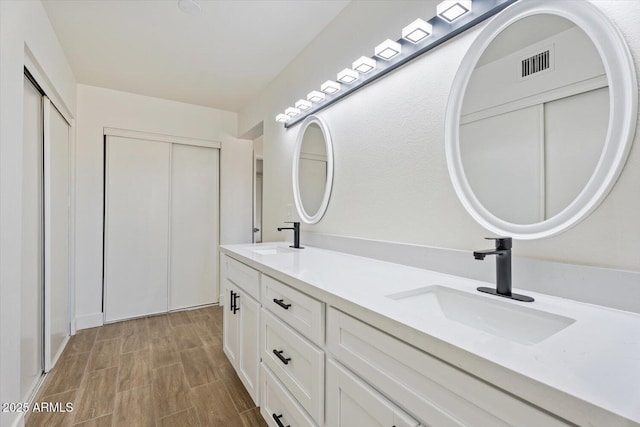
point(512, 321)
point(272, 250)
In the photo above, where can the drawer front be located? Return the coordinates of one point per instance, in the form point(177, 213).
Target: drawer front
point(300, 311)
point(297, 363)
point(243, 276)
point(351, 402)
point(435, 392)
point(276, 402)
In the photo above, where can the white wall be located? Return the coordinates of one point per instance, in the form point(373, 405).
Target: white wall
point(24, 25)
point(99, 108)
point(391, 180)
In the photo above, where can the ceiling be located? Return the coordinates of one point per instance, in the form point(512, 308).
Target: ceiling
point(221, 58)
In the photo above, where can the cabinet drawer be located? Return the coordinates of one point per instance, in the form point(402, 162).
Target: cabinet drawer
point(277, 402)
point(243, 276)
point(351, 402)
point(296, 362)
point(300, 311)
point(435, 392)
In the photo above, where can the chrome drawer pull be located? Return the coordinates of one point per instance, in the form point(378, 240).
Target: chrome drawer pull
point(283, 359)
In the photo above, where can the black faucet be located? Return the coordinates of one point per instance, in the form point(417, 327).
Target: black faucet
point(296, 234)
point(502, 252)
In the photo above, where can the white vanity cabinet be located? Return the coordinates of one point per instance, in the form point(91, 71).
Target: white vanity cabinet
point(291, 336)
point(351, 402)
point(435, 392)
point(322, 346)
point(241, 322)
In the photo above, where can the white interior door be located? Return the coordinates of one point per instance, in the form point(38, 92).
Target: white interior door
point(56, 232)
point(236, 191)
point(31, 319)
point(194, 226)
point(136, 227)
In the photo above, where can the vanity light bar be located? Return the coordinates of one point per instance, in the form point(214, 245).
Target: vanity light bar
point(418, 38)
point(388, 49)
point(303, 104)
point(330, 87)
point(450, 10)
point(347, 76)
point(282, 118)
point(417, 31)
point(292, 111)
point(364, 64)
point(315, 96)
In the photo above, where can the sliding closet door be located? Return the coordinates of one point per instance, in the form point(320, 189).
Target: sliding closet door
point(194, 226)
point(56, 232)
point(31, 321)
point(136, 227)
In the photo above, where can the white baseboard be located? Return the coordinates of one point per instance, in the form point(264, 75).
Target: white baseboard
point(617, 289)
point(89, 321)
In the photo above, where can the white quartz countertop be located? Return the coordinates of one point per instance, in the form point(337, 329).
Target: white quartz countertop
point(588, 373)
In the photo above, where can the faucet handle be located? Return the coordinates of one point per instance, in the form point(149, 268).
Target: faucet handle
point(292, 222)
point(502, 243)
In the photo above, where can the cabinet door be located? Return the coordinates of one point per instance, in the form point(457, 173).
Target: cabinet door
point(277, 404)
point(351, 402)
point(249, 355)
point(230, 324)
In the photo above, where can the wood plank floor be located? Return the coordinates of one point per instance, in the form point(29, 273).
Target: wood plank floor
point(160, 371)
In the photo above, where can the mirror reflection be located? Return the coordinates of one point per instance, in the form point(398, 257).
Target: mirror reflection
point(312, 169)
point(534, 119)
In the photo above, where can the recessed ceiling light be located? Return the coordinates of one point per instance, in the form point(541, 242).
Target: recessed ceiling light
point(315, 96)
point(387, 49)
point(292, 112)
point(450, 10)
point(192, 7)
point(347, 76)
point(282, 118)
point(303, 104)
point(330, 86)
point(364, 64)
point(417, 31)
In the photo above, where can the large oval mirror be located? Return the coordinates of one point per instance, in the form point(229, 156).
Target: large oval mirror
point(312, 169)
point(541, 118)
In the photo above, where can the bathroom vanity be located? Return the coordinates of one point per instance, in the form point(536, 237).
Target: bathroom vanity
point(537, 130)
point(331, 339)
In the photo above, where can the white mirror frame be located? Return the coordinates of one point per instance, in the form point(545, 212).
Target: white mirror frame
point(304, 216)
point(623, 93)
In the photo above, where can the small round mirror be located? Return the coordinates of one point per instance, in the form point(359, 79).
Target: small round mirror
point(312, 169)
point(541, 117)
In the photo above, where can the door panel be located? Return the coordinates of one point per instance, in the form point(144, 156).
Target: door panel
point(136, 228)
point(194, 226)
point(351, 402)
point(31, 328)
point(230, 324)
point(249, 361)
point(56, 232)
